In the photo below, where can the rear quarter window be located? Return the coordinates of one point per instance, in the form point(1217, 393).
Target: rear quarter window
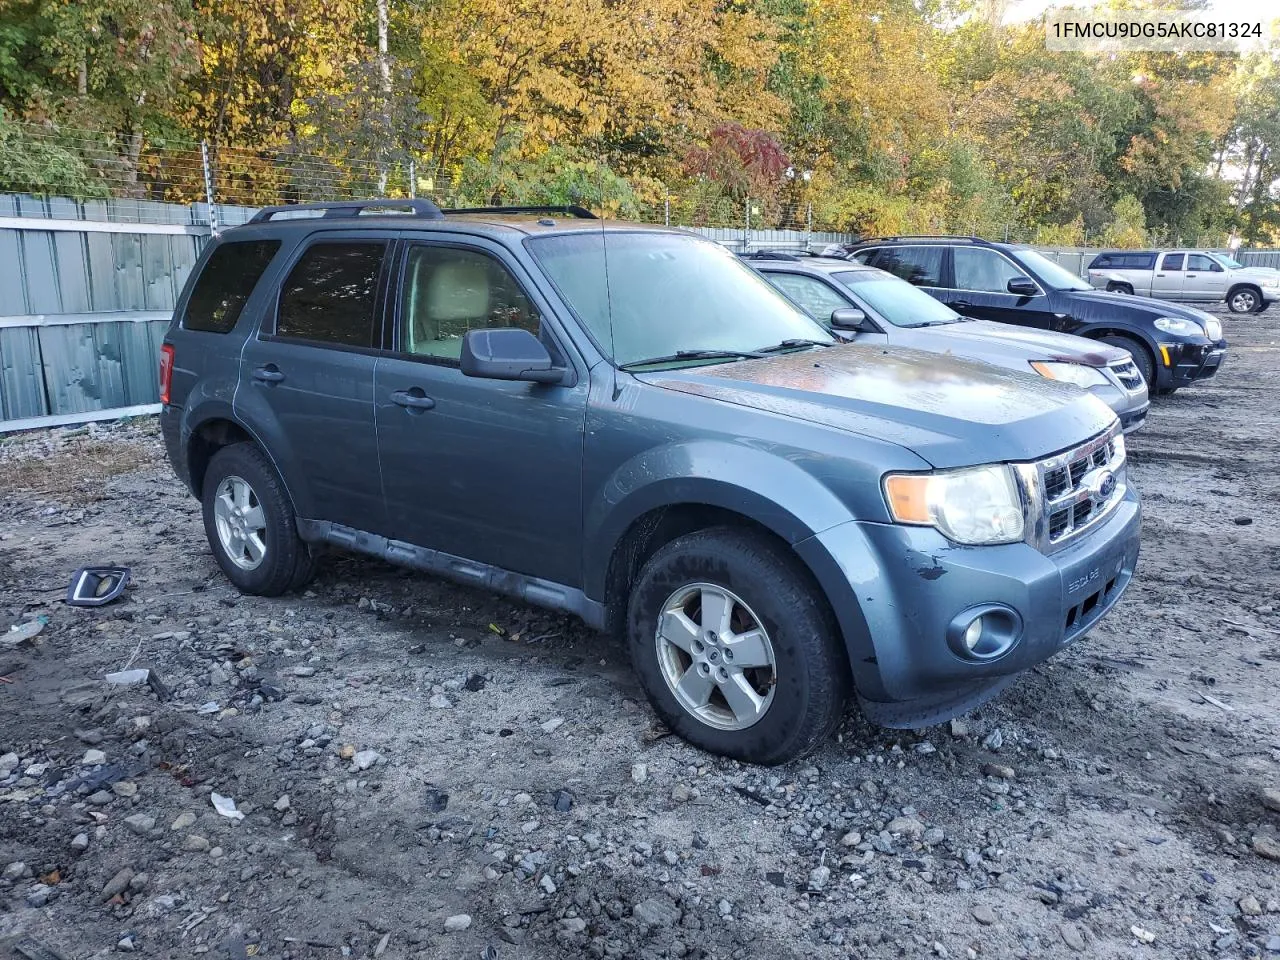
point(225, 284)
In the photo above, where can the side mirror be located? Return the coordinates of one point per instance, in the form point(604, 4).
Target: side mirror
point(848, 318)
point(507, 353)
point(1022, 287)
point(1215, 267)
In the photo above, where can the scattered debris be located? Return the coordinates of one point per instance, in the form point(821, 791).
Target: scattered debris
point(21, 633)
point(97, 586)
point(225, 806)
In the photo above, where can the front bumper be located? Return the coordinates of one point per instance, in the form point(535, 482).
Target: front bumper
point(1181, 364)
point(1130, 406)
point(923, 582)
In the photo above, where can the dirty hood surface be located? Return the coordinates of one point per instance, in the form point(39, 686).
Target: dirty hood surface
point(949, 411)
point(1007, 345)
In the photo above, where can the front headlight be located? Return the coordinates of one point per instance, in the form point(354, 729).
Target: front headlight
point(1213, 328)
point(1270, 282)
point(972, 506)
point(1076, 373)
point(1179, 327)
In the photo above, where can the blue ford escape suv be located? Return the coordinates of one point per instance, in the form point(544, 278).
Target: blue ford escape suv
point(629, 424)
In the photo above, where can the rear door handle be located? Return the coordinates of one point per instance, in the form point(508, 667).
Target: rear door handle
point(960, 304)
point(413, 399)
point(268, 374)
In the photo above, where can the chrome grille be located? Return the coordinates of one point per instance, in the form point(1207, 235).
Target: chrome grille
point(1127, 373)
point(1072, 491)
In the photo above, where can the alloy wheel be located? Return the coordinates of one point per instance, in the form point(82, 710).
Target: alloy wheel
point(241, 523)
point(716, 656)
point(1243, 302)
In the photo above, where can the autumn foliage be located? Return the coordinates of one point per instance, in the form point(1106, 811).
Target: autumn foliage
point(885, 115)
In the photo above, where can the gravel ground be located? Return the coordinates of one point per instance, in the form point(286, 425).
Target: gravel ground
point(427, 771)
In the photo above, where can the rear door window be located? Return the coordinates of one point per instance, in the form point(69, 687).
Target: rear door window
point(226, 282)
point(331, 295)
point(1172, 261)
point(921, 266)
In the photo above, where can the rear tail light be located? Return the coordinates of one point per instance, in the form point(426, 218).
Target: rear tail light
point(166, 371)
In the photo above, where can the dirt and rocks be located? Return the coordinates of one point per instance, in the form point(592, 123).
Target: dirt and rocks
point(416, 770)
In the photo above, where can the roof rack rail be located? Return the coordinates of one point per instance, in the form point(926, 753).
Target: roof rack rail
point(352, 208)
point(570, 209)
point(771, 255)
point(922, 236)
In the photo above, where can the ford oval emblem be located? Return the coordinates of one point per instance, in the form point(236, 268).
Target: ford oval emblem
point(1106, 485)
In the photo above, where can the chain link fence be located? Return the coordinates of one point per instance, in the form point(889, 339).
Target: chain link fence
point(101, 168)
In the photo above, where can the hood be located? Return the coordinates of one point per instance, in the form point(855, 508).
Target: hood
point(1008, 346)
point(1160, 308)
point(950, 412)
point(1256, 273)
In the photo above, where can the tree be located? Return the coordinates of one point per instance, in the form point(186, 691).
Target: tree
point(1128, 226)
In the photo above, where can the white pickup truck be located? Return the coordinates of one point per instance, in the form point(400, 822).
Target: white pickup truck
point(1186, 275)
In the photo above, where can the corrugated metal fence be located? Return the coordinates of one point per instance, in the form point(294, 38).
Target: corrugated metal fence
point(86, 289)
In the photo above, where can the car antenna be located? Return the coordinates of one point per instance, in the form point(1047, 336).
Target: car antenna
point(608, 292)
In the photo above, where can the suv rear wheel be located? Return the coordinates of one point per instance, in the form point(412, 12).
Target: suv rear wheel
point(735, 647)
point(250, 523)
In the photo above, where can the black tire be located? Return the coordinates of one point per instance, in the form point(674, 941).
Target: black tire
point(1142, 357)
point(1244, 299)
point(286, 561)
point(810, 680)
point(1124, 288)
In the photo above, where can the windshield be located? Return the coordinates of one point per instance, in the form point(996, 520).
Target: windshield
point(1228, 262)
point(643, 295)
point(896, 300)
point(1049, 272)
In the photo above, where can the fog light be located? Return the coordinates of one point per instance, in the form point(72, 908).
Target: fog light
point(984, 633)
point(973, 634)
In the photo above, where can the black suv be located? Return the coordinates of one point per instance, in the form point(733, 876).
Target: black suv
point(1173, 344)
point(629, 424)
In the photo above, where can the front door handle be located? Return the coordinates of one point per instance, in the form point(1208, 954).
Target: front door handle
point(413, 399)
point(1191, 276)
point(268, 374)
point(960, 304)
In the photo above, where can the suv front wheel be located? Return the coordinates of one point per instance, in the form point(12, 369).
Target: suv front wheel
point(736, 648)
point(249, 521)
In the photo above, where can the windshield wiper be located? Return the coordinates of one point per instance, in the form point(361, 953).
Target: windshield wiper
point(796, 342)
point(696, 355)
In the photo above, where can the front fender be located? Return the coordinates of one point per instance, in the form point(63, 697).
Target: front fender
point(1128, 329)
point(774, 492)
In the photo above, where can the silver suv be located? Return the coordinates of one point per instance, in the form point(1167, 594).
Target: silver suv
point(1186, 275)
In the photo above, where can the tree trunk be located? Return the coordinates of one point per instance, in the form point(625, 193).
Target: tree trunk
point(384, 68)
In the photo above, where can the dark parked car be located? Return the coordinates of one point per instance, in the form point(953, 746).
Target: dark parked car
point(863, 303)
point(629, 424)
point(1173, 344)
